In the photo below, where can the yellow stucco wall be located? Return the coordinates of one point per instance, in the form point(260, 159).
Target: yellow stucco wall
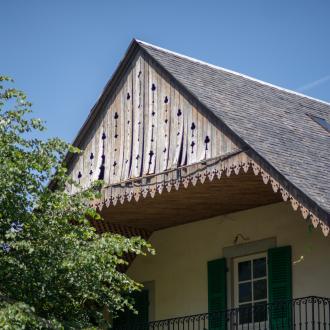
point(179, 269)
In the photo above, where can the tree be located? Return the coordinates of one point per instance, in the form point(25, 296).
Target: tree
point(55, 270)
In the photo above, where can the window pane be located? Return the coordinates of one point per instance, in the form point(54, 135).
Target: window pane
point(260, 311)
point(245, 292)
point(259, 267)
point(245, 313)
point(260, 289)
point(244, 271)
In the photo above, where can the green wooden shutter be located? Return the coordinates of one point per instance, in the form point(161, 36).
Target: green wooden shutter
point(142, 306)
point(127, 319)
point(280, 287)
point(217, 294)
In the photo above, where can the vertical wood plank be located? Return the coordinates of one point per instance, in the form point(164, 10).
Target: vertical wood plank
point(116, 138)
point(200, 150)
point(151, 153)
point(174, 127)
point(81, 168)
point(141, 79)
point(194, 128)
point(215, 142)
point(137, 121)
point(111, 155)
point(166, 121)
point(147, 113)
point(159, 129)
point(107, 129)
point(207, 138)
point(185, 115)
point(128, 133)
point(97, 152)
point(121, 132)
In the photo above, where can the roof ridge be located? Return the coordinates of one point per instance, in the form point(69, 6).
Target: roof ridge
point(232, 72)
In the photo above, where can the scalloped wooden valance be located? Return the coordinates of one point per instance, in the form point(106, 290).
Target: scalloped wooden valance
point(230, 164)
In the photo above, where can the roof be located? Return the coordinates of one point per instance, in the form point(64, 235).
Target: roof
point(276, 124)
point(273, 121)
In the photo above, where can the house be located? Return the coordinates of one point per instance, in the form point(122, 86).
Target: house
point(228, 178)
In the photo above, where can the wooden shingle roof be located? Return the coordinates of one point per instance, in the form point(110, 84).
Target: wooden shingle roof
point(275, 123)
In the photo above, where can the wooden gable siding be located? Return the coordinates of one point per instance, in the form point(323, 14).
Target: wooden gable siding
point(147, 127)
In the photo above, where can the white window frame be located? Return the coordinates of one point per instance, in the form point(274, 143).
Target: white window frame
point(236, 282)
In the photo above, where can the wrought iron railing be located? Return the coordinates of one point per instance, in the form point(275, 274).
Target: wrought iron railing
point(308, 313)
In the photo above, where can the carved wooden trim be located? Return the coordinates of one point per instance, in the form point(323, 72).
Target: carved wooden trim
point(229, 164)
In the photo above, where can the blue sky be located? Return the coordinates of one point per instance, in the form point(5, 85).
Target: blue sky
point(62, 52)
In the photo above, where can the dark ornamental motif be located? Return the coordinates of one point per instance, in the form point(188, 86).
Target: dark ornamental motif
point(151, 153)
point(193, 127)
point(206, 141)
point(116, 116)
point(79, 176)
point(114, 167)
point(91, 157)
point(179, 114)
point(153, 88)
point(102, 167)
point(101, 174)
point(137, 160)
point(152, 132)
point(140, 89)
point(166, 121)
point(192, 146)
point(139, 123)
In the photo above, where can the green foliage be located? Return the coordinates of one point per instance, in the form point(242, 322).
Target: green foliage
point(18, 316)
point(55, 270)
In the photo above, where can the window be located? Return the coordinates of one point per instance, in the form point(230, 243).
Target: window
point(321, 121)
point(260, 281)
point(250, 288)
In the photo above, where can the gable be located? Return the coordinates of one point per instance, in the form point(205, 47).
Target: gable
point(242, 124)
point(146, 127)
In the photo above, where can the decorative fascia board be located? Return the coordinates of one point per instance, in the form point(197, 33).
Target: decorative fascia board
point(231, 164)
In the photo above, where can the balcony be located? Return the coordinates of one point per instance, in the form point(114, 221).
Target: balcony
point(307, 313)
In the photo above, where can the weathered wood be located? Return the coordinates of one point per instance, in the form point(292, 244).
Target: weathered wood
point(128, 134)
point(137, 134)
point(147, 127)
point(194, 203)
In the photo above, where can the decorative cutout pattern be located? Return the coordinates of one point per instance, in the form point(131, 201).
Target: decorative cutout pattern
point(146, 114)
point(102, 167)
point(232, 164)
point(91, 157)
point(150, 130)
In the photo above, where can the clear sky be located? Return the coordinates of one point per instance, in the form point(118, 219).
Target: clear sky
point(62, 52)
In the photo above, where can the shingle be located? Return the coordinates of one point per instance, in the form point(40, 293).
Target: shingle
point(272, 121)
